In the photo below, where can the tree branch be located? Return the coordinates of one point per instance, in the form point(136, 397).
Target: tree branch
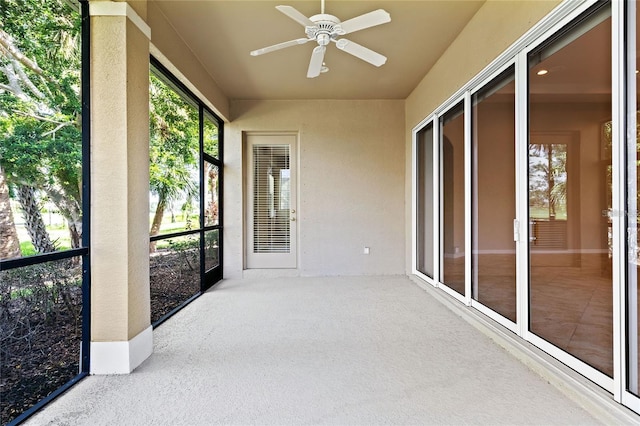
point(60, 126)
point(37, 117)
point(27, 81)
point(7, 88)
point(7, 43)
point(14, 86)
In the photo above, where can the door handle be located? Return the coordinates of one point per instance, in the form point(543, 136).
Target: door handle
point(293, 219)
point(293, 211)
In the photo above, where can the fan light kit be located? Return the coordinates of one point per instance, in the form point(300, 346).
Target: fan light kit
point(323, 29)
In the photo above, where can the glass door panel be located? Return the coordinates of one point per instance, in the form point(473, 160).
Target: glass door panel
point(494, 201)
point(452, 198)
point(425, 201)
point(569, 197)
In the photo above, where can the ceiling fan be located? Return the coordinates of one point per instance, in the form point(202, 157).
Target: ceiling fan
point(324, 28)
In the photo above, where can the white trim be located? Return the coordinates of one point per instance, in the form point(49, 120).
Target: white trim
point(500, 319)
point(630, 400)
point(426, 279)
point(617, 191)
point(414, 200)
point(571, 361)
point(121, 357)
point(522, 193)
point(112, 8)
point(451, 292)
point(438, 246)
point(489, 78)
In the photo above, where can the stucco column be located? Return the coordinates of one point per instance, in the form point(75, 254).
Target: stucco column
point(121, 336)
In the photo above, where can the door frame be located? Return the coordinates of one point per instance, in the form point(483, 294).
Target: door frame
point(247, 185)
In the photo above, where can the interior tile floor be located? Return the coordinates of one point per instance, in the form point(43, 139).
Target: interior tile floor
point(571, 301)
point(330, 350)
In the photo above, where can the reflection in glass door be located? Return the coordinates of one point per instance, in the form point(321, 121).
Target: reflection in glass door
point(424, 197)
point(452, 192)
point(569, 196)
point(494, 248)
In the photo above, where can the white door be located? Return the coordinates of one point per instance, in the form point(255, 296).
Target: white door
point(271, 231)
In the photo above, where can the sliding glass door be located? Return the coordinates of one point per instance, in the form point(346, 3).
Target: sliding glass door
point(569, 192)
point(452, 198)
point(494, 195)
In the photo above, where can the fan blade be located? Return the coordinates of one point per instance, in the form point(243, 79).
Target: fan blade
point(293, 13)
point(371, 19)
point(279, 46)
point(315, 65)
point(361, 52)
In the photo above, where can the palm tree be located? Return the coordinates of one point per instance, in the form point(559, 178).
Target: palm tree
point(173, 150)
point(9, 243)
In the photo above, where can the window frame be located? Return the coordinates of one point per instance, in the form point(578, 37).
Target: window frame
point(207, 278)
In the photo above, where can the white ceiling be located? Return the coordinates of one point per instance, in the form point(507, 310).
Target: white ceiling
point(222, 33)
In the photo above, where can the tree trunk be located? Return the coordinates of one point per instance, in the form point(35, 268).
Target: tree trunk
point(72, 212)
point(33, 219)
point(157, 221)
point(9, 243)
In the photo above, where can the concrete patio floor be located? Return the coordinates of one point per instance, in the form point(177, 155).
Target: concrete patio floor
point(333, 350)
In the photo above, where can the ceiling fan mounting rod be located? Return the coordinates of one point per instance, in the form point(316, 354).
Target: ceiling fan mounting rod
point(322, 6)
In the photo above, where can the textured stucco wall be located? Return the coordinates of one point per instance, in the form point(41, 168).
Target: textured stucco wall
point(119, 179)
point(351, 182)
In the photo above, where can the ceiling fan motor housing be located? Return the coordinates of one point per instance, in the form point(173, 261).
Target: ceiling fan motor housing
point(326, 28)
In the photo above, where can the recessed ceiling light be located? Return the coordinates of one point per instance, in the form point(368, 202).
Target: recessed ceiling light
point(542, 72)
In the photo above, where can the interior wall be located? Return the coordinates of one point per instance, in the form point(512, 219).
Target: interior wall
point(586, 120)
point(496, 26)
point(350, 188)
point(496, 172)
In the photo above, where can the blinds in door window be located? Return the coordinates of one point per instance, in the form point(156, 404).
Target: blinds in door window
point(271, 199)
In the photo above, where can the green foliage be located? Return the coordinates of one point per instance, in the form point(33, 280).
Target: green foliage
point(40, 105)
point(48, 33)
point(210, 137)
point(174, 145)
point(27, 248)
point(548, 178)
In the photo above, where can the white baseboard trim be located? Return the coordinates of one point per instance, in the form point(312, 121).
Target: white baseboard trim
point(121, 357)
